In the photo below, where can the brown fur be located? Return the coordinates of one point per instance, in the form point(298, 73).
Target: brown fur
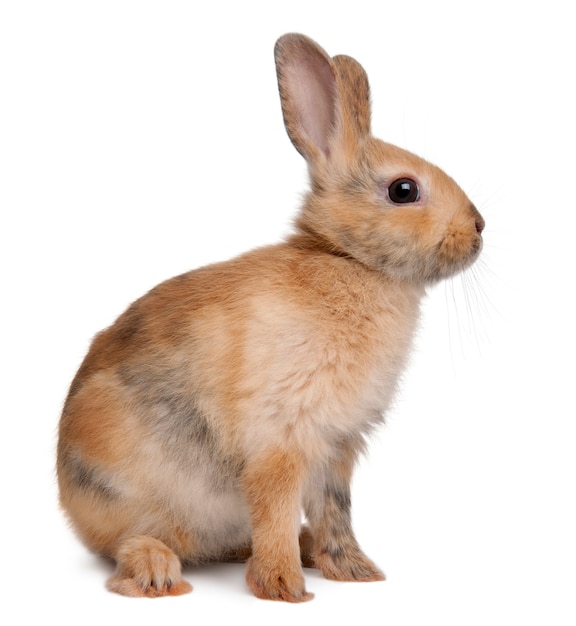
point(229, 400)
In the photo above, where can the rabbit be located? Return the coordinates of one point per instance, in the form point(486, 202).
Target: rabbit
point(221, 416)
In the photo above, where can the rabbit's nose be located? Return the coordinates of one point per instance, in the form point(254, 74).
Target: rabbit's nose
point(478, 219)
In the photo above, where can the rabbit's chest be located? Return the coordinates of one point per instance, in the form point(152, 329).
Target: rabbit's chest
point(316, 380)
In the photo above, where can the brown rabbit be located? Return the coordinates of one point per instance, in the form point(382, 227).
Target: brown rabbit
point(230, 400)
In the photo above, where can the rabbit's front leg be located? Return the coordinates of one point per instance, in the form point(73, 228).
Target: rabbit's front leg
point(333, 546)
point(272, 486)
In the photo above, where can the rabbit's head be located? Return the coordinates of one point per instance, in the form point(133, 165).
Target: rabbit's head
point(385, 207)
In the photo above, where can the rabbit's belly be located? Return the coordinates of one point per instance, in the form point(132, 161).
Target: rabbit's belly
point(218, 522)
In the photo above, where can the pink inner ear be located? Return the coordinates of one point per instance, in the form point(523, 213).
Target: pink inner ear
point(314, 89)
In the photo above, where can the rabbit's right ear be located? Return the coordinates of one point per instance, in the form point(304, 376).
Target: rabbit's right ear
point(309, 94)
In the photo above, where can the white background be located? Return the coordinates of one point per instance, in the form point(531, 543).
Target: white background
point(142, 139)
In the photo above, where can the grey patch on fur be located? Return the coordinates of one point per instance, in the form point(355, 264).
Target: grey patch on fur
point(88, 478)
point(172, 415)
point(131, 325)
point(341, 498)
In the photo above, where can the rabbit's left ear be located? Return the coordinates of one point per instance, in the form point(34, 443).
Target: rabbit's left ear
point(325, 101)
point(309, 95)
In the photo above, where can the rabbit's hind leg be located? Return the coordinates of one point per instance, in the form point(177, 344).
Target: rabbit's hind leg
point(146, 567)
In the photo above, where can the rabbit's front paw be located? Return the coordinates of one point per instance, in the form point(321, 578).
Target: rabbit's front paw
point(276, 582)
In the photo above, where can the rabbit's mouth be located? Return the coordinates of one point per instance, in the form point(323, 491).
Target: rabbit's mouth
point(459, 249)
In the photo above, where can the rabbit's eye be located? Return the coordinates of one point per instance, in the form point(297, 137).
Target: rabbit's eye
point(403, 191)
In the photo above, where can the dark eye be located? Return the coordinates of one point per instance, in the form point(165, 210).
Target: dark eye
point(403, 191)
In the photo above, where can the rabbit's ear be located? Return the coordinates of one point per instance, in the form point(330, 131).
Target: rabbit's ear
point(309, 95)
point(325, 101)
point(354, 95)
